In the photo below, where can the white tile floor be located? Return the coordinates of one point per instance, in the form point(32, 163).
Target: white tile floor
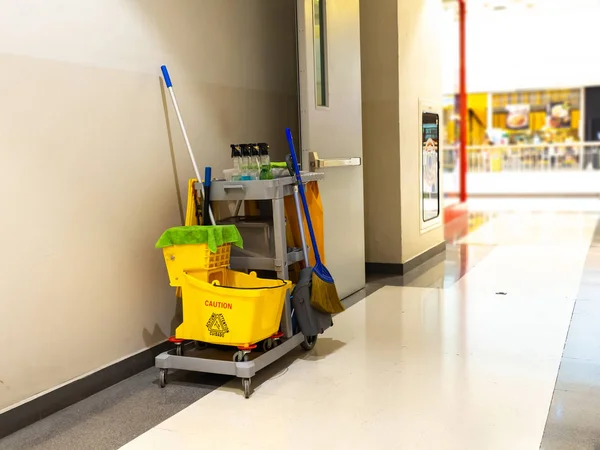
point(526, 182)
point(416, 368)
point(526, 205)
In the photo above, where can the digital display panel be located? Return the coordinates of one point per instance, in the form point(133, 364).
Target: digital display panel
point(430, 167)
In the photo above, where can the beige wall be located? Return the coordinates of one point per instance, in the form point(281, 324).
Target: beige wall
point(401, 63)
point(420, 76)
point(86, 170)
point(381, 135)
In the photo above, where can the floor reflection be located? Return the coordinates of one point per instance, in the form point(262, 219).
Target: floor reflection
point(445, 269)
point(440, 272)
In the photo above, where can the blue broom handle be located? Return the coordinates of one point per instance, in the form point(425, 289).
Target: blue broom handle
point(288, 133)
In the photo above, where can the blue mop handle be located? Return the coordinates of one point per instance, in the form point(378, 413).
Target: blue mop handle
point(166, 76)
point(290, 140)
point(169, 85)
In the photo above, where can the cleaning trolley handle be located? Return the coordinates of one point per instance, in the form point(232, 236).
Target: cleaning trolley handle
point(169, 85)
point(313, 239)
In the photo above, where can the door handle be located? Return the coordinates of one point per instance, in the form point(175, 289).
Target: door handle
point(318, 163)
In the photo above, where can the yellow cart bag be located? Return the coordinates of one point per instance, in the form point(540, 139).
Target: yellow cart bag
point(315, 207)
point(191, 213)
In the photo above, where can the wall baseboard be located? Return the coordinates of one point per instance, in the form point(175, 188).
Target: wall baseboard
point(402, 269)
point(45, 405)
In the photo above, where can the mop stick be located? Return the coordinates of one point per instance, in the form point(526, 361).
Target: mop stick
point(187, 141)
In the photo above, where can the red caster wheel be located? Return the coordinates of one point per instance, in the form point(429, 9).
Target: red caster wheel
point(242, 354)
point(277, 339)
point(178, 345)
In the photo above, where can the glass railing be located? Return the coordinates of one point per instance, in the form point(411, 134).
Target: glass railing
point(576, 156)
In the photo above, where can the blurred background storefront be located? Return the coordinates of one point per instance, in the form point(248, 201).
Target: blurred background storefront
point(533, 115)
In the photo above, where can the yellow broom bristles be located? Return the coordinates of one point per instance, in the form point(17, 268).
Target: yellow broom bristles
point(324, 296)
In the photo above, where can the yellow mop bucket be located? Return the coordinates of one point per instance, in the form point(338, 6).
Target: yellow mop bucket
point(241, 312)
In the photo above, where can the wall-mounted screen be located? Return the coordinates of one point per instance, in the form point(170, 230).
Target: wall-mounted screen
point(430, 167)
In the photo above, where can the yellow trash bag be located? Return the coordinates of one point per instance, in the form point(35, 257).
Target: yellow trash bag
point(191, 213)
point(315, 207)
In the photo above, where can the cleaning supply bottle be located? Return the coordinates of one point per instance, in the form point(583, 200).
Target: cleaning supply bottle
point(265, 162)
point(245, 174)
point(258, 163)
point(254, 161)
point(236, 158)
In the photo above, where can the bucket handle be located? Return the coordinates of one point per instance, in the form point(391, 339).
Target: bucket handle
point(195, 282)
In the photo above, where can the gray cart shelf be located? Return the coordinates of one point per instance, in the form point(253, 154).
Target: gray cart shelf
point(211, 360)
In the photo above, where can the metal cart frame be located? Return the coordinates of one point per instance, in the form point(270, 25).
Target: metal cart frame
point(189, 356)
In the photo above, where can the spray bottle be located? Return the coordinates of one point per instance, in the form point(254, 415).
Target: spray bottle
point(236, 158)
point(265, 162)
point(245, 167)
point(254, 167)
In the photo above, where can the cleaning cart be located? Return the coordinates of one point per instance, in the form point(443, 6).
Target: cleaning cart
point(217, 298)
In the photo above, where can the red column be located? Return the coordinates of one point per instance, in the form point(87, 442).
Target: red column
point(462, 98)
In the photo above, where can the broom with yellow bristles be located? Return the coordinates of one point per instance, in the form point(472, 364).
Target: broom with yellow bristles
point(324, 296)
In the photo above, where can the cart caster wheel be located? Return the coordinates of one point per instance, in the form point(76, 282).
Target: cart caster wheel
point(240, 356)
point(309, 343)
point(178, 345)
point(268, 344)
point(247, 387)
point(162, 377)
